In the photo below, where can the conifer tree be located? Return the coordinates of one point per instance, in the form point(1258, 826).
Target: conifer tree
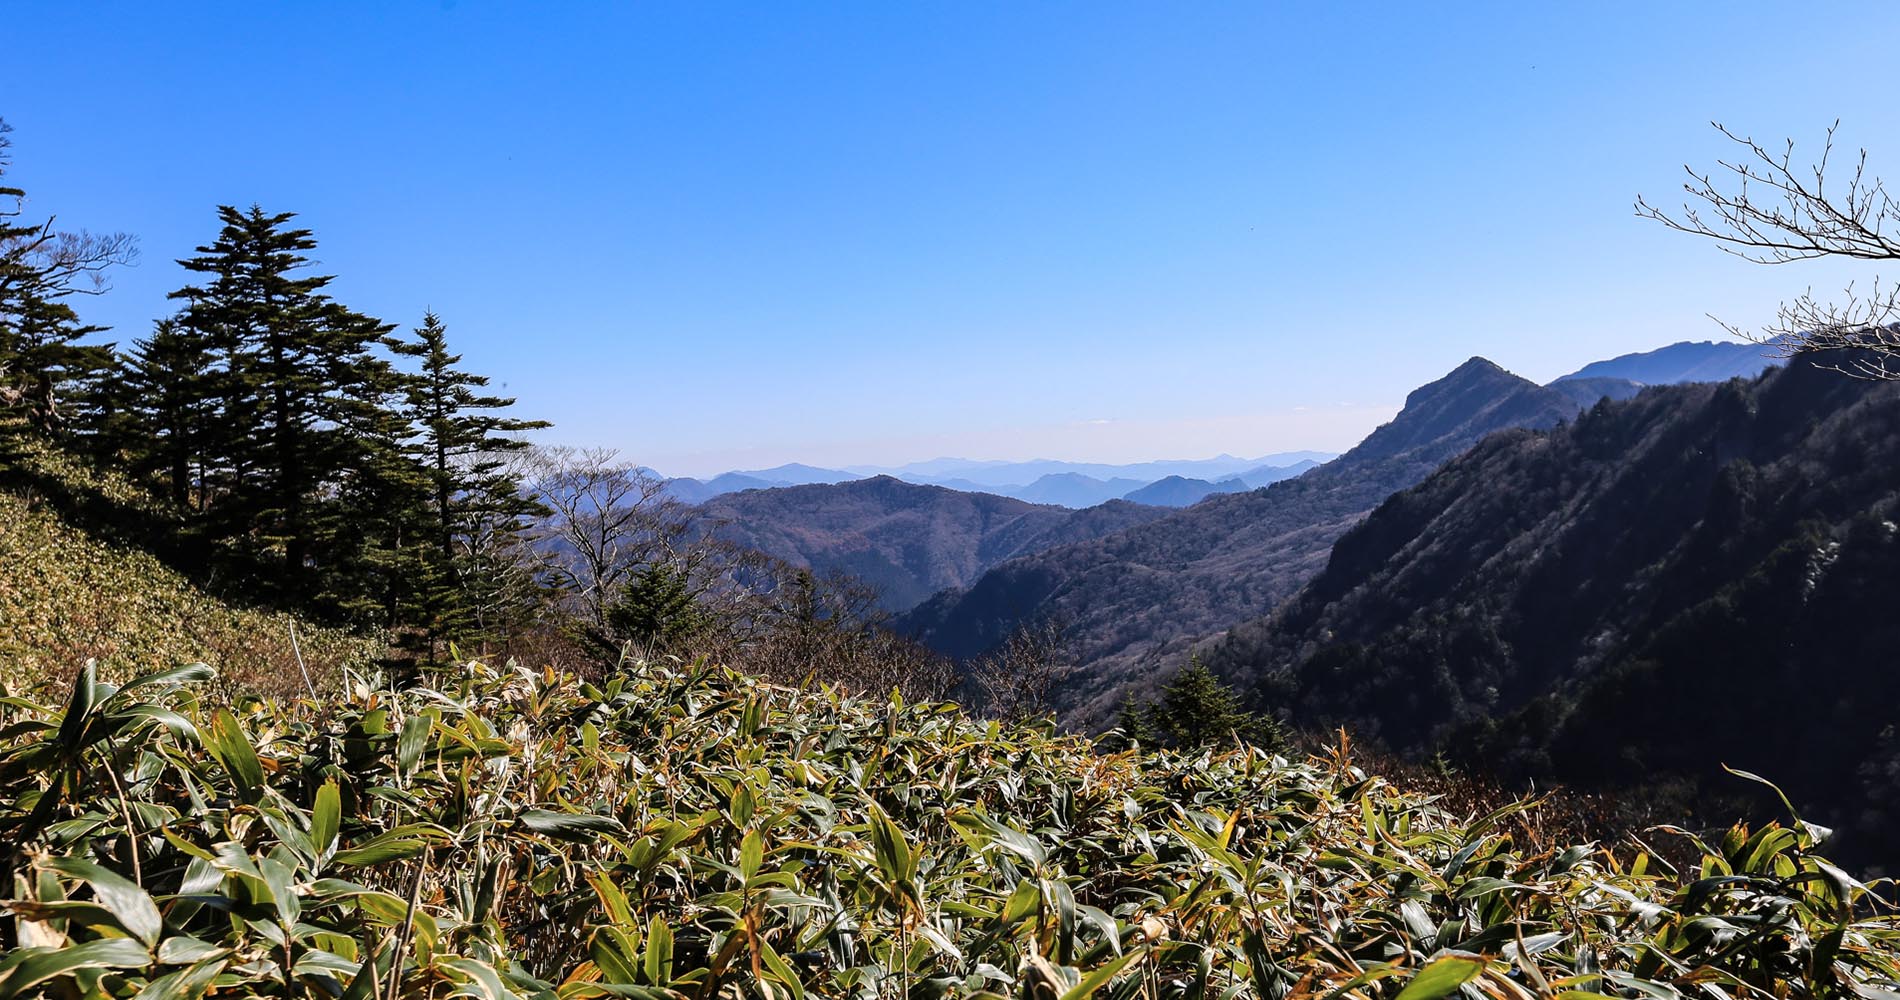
point(1196, 710)
point(301, 439)
point(476, 502)
point(165, 392)
point(658, 610)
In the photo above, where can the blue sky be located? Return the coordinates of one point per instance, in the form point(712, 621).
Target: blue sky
point(722, 236)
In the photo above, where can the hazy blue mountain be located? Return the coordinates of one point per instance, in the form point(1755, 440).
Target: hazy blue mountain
point(1688, 361)
point(1012, 475)
point(697, 491)
point(1072, 489)
point(1176, 491)
point(966, 485)
point(1267, 474)
point(795, 474)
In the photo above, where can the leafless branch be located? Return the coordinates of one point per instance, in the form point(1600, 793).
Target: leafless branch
point(1764, 208)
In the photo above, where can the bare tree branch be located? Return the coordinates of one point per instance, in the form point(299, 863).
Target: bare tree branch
point(1766, 209)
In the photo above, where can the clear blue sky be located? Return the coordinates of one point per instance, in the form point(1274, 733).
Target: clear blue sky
point(723, 236)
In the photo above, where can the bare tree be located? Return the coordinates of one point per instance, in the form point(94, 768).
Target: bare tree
point(607, 520)
point(1018, 676)
point(55, 262)
point(1764, 208)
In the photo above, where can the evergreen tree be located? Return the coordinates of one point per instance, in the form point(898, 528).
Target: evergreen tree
point(658, 611)
point(462, 444)
point(298, 469)
point(170, 411)
point(1196, 710)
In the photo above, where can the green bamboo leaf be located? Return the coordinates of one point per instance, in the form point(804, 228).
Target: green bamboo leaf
point(185, 984)
point(415, 729)
point(1442, 977)
point(378, 851)
point(326, 817)
point(232, 747)
point(569, 826)
point(72, 728)
point(659, 953)
point(751, 855)
point(1098, 977)
point(40, 965)
point(781, 971)
point(129, 904)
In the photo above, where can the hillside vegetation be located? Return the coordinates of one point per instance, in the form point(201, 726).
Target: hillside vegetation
point(693, 833)
point(67, 594)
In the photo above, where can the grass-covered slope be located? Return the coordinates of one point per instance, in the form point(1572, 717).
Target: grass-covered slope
point(68, 594)
point(698, 834)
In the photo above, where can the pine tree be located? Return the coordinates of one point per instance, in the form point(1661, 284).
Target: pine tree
point(165, 395)
point(1197, 710)
point(302, 441)
point(657, 611)
point(477, 506)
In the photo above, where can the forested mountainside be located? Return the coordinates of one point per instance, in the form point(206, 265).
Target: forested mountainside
point(907, 541)
point(1561, 603)
point(1135, 598)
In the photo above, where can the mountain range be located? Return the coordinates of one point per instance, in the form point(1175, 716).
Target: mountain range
point(906, 540)
point(1137, 599)
point(1065, 484)
point(1554, 604)
point(1139, 584)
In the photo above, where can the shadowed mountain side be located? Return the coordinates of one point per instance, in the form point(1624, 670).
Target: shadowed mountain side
point(1133, 599)
point(1586, 391)
point(1557, 604)
point(909, 541)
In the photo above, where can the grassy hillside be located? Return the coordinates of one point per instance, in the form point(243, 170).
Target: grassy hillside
point(67, 594)
point(698, 834)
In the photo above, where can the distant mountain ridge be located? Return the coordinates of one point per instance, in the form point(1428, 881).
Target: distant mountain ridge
point(1686, 361)
point(1068, 484)
point(1135, 598)
point(908, 541)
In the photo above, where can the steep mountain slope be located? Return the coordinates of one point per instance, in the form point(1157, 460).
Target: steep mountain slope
point(1687, 361)
point(1142, 595)
point(1702, 575)
point(909, 541)
point(1175, 491)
